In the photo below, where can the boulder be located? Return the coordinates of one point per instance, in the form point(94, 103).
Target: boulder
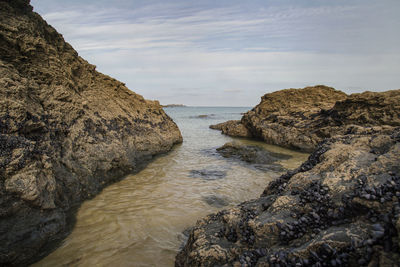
point(232, 128)
point(66, 131)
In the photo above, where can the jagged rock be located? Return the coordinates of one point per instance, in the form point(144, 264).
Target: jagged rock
point(287, 117)
point(366, 109)
point(232, 128)
point(340, 208)
point(66, 131)
point(301, 118)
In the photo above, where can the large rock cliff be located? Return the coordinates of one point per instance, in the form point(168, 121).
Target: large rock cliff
point(285, 117)
point(66, 131)
point(339, 208)
point(301, 118)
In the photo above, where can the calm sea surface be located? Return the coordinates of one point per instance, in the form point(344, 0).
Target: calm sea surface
point(139, 220)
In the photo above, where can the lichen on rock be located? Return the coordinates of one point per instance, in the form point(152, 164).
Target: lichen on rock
point(339, 208)
point(302, 118)
point(341, 212)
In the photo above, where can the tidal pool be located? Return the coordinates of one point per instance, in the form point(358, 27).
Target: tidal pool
point(139, 220)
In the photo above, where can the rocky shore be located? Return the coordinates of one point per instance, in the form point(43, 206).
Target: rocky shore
point(287, 118)
point(302, 118)
point(66, 131)
point(339, 208)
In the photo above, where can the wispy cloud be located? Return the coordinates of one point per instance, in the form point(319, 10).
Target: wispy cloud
point(232, 90)
point(158, 47)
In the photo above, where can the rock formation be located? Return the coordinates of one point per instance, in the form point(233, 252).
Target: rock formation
point(66, 131)
point(339, 208)
point(301, 118)
point(283, 117)
point(232, 128)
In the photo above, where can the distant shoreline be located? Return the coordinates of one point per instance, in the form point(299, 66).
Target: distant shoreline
point(181, 105)
point(173, 105)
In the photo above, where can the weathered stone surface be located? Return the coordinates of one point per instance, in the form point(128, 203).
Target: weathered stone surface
point(66, 131)
point(301, 118)
point(288, 117)
point(367, 109)
point(232, 128)
point(340, 208)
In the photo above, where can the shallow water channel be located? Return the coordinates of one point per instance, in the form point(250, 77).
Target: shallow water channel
point(139, 220)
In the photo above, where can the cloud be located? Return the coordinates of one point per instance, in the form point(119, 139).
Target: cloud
point(173, 26)
point(198, 53)
point(232, 90)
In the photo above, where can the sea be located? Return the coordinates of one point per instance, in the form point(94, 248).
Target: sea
point(140, 220)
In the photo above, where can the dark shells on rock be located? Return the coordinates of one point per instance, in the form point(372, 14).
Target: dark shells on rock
point(339, 208)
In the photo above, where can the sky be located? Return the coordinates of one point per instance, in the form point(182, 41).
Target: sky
point(231, 52)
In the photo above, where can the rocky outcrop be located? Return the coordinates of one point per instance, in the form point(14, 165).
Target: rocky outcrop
point(286, 117)
point(301, 118)
point(365, 109)
point(232, 128)
point(340, 208)
point(290, 117)
point(66, 131)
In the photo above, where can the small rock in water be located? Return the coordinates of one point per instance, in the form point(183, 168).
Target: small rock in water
point(208, 174)
point(256, 156)
point(216, 201)
point(203, 116)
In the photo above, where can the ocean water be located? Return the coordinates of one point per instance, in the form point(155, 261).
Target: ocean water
point(139, 221)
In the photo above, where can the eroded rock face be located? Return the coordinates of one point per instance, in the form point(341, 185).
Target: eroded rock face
point(301, 118)
point(288, 117)
point(340, 208)
point(66, 131)
point(232, 128)
point(365, 109)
